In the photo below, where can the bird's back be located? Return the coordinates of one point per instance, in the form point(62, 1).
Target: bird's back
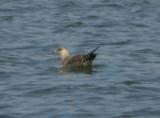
point(81, 60)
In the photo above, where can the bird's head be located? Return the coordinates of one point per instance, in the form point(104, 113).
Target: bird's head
point(64, 54)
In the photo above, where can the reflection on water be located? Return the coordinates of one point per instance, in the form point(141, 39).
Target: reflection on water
point(86, 70)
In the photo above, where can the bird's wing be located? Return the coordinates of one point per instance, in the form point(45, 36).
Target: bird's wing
point(82, 59)
point(78, 59)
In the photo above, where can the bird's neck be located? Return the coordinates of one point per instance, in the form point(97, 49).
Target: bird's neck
point(65, 57)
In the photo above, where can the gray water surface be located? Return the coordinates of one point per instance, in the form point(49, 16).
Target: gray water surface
point(124, 81)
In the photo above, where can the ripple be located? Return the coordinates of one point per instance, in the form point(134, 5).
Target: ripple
point(6, 18)
point(139, 25)
point(124, 75)
point(75, 24)
point(7, 116)
point(131, 82)
point(42, 92)
point(127, 42)
point(116, 5)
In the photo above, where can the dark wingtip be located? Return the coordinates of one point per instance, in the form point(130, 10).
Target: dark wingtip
point(94, 50)
point(92, 56)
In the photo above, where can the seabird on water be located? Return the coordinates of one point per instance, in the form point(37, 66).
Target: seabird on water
point(80, 60)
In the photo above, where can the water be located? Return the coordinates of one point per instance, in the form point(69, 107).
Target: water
point(124, 81)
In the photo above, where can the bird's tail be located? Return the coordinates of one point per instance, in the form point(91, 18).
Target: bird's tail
point(92, 54)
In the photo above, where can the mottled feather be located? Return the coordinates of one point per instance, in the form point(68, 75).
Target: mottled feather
point(81, 59)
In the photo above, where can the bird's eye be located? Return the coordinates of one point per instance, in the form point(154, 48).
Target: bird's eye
point(59, 49)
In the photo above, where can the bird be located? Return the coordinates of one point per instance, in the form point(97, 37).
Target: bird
point(79, 60)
